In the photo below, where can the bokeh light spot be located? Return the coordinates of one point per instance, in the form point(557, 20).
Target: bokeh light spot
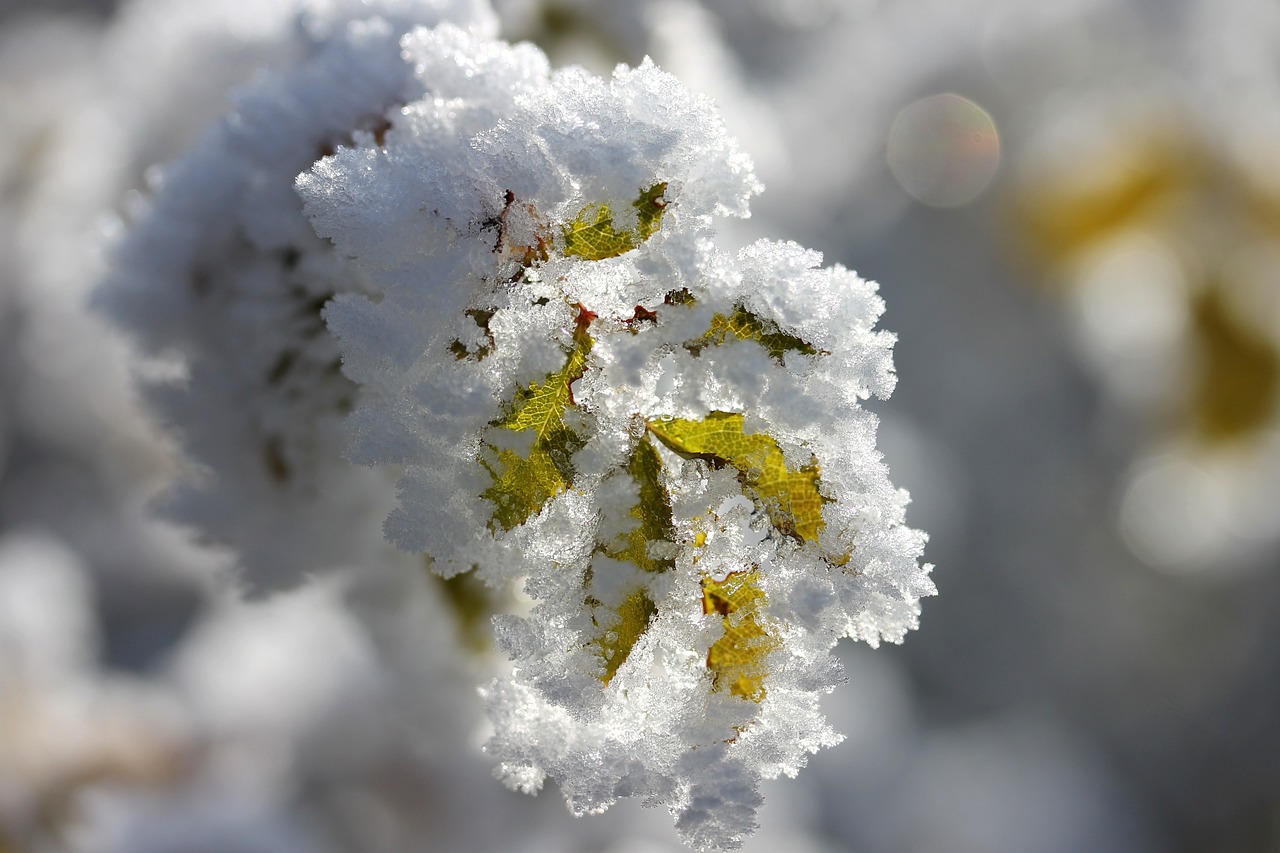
point(1175, 514)
point(944, 150)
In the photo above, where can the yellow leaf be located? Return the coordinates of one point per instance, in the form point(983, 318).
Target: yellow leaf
point(643, 547)
point(790, 496)
point(592, 236)
point(737, 660)
point(743, 325)
point(524, 481)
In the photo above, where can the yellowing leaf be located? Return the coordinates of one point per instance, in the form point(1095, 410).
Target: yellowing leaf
point(653, 511)
point(592, 236)
point(524, 481)
point(621, 637)
point(737, 659)
point(743, 325)
point(790, 496)
point(649, 545)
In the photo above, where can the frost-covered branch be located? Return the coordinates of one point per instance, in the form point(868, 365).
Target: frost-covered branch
point(522, 315)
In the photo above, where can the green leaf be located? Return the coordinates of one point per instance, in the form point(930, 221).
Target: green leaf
point(650, 545)
point(592, 235)
point(621, 636)
point(523, 482)
point(790, 495)
point(653, 512)
point(737, 660)
point(744, 325)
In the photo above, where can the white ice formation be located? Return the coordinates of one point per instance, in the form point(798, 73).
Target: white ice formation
point(664, 440)
point(575, 386)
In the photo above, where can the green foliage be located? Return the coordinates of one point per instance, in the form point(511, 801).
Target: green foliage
point(737, 660)
point(617, 641)
point(743, 325)
point(652, 511)
point(592, 234)
point(648, 545)
point(524, 481)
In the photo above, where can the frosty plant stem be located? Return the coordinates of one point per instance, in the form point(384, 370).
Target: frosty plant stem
point(580, 391)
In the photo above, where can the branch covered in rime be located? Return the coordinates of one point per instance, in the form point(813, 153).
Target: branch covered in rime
point(516, 307)
point(223, 274)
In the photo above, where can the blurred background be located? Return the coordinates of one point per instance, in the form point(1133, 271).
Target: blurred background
point(1073, 210)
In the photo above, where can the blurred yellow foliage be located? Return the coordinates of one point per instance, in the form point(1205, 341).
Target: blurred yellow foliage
point(1166, 183)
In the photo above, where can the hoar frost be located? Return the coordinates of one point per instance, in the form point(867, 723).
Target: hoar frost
point(662, 439)
point(222, 276)
point(577, 390)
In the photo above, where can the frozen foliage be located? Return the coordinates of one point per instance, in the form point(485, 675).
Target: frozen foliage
point(273, 725)
point(224, 279)
point(663, 439)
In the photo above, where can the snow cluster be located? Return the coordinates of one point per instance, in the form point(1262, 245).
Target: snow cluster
point(223, 281)
point(605, 422)
point(417, 248)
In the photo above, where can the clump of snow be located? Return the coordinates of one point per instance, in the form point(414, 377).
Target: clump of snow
point(223, 279)
point(528, 390)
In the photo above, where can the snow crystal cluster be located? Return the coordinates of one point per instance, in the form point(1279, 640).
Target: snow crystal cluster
point(224, 281)
point(419, 249)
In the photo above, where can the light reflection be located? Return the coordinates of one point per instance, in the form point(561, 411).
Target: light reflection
point(1132, 315)
point(944, 150)
point(1191, 510)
